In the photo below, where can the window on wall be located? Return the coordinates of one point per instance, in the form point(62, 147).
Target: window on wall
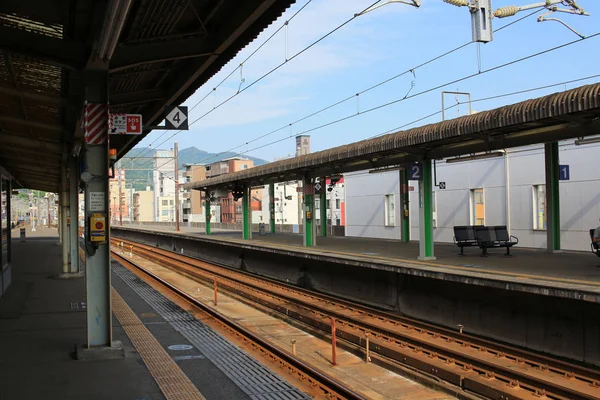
point(337, 204)
point(165, 202)
point(434, 208)
point(390, 210)
point(539, 207)
point(477, 207)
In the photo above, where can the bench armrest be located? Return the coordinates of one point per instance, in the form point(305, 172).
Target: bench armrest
point(514, 237)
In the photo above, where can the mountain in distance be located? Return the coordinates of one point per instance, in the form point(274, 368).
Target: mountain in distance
point(138, 164)
point(193, 155)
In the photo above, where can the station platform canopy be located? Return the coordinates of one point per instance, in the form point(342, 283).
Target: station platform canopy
point(570, 114)
point(159, 53)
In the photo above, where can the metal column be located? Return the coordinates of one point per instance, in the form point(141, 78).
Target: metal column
point(272, 207)
point(64, 206)
point(246, 215)
point(207, 214)
point(308, 214)
point(74, 215)
point(404, 207)
point(323, 204)
point(552, 196)
point(426, 214)
point(97, 256)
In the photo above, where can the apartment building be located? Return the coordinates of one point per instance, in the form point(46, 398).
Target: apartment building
point(143, 205)
point(192, 201)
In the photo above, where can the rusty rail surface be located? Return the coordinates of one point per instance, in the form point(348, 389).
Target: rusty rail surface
point(330, 388)
point(470, 363)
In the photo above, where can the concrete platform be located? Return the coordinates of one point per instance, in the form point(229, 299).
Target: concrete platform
point(41, 321)
point(43, 318)
point(567, 274)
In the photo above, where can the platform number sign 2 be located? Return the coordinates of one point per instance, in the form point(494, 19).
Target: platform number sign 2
point(415, 172)
point(177, 118)
point(563, 173)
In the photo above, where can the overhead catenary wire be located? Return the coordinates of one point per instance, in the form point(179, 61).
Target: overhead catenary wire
point(274, 69)
point(353, 115)
point(240, 66)
point(390, 79)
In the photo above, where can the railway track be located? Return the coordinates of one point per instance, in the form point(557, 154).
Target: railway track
point(327, 386)
point(468, 363)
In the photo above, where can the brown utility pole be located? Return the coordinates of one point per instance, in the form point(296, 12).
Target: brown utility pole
point(176, 158)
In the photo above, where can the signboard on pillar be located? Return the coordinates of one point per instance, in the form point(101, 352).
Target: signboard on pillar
point(415, 172)
point(564, 173)
point(125, 124)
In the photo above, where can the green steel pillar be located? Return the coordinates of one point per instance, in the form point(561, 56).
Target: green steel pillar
point(272, 207)
point(404, 206)
point(552, 196)
point(207, 213)
point(308, 214)
point(246, 216)
point(323, 204)
point(426, 213)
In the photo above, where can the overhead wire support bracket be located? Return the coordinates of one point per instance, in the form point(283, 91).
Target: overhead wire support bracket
point(551, 6)
point(414, 3)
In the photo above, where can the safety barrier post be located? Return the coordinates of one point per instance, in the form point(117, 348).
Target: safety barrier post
point(215, 289)
point(333, 343)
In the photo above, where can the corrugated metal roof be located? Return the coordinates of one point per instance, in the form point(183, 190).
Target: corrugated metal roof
point(554, 109)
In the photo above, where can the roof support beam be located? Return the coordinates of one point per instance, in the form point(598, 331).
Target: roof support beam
point(33, 124)
point(15, 140)
point(44, 98)
point(59, 52)
point(142, 96)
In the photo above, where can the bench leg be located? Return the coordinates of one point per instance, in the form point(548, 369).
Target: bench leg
point(462, 251)
point(484, 252)
point(507, 251)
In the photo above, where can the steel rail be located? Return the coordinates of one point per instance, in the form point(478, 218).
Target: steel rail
point(329, 386)
point(533, 379)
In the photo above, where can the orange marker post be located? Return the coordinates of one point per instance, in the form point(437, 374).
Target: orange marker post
point(215, 286)
point(333, 344)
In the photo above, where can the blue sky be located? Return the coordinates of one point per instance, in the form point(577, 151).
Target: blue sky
point(368, 50)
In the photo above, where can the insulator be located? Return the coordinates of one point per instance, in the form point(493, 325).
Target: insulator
point(507, 11)
point(458, 3)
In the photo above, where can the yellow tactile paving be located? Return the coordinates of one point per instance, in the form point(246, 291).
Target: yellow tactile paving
point(173, 382)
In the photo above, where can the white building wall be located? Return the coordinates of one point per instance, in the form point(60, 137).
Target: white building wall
point(286, 211)
point(365, 201)
point(579, 197)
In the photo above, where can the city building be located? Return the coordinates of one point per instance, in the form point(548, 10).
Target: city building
point(143, 205)
point(336, 202)
point(506, 190)
point(192, 201)
point(163, 178)
point(117, 187)
point(230, 210)
point(166, 208)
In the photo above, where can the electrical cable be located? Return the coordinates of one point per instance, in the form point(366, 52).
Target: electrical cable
point(414, 95)
point(410, 70)
point(485, 99)
point(286, 23)
point(270, 72)
point(428, 90)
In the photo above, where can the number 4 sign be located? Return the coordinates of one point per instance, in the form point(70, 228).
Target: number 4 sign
point(177, 118)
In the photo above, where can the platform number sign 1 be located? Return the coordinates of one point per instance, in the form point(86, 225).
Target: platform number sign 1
point(563, 173)
point(415, 172)
point(177, 118)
